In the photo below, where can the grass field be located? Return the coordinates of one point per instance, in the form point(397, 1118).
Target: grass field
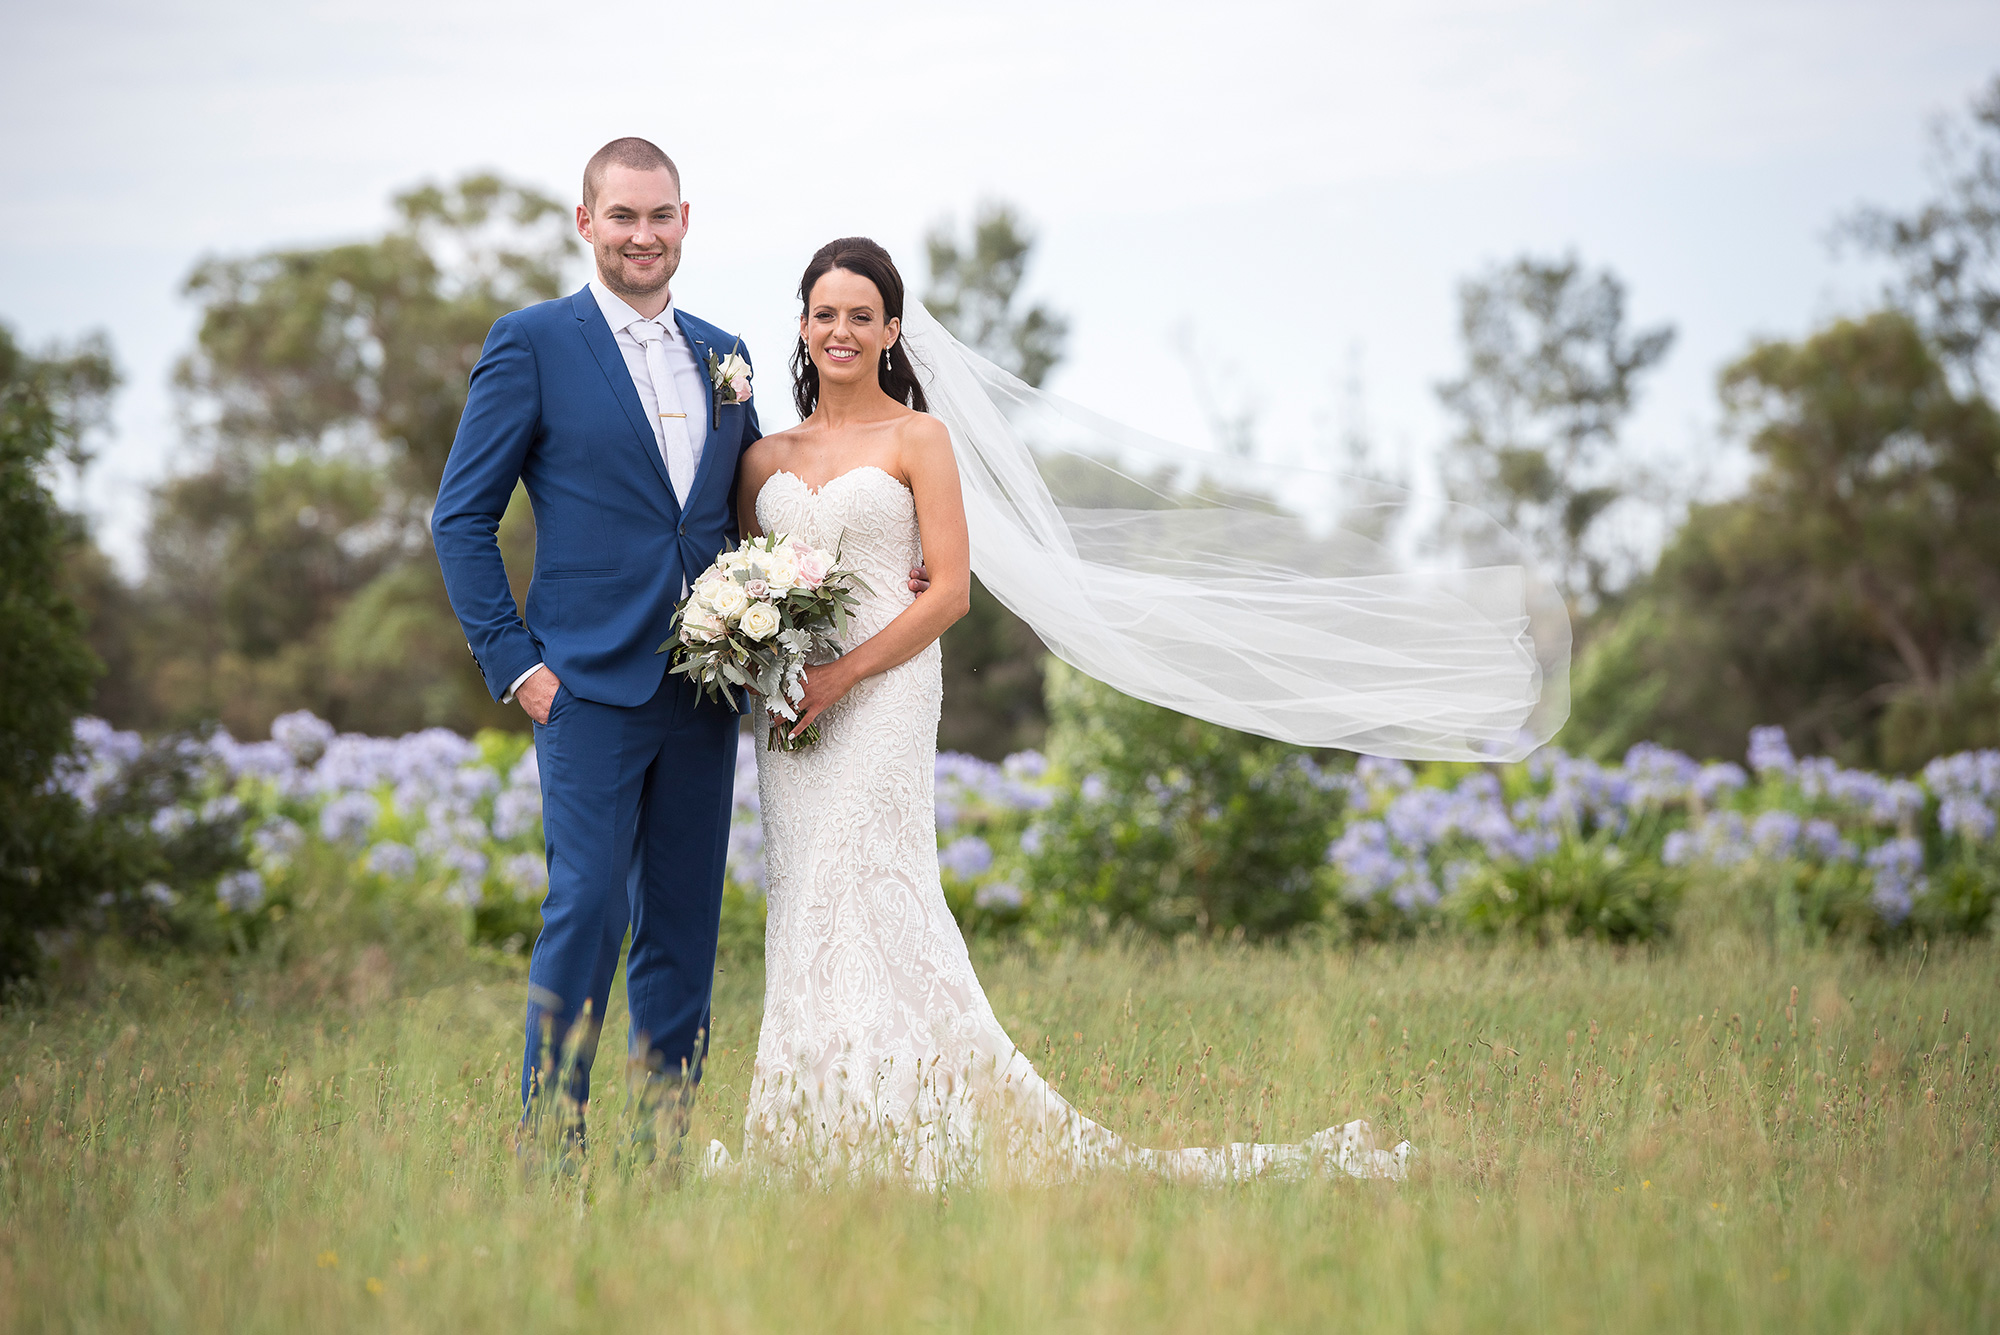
point(1707, 1137)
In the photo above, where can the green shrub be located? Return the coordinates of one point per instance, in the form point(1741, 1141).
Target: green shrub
point(1961, 897)
point(1172, 824)
point(1586, 887)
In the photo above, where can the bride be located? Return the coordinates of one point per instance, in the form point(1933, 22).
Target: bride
point(879, 1052)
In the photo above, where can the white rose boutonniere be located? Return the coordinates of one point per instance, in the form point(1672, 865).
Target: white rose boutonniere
point(731, 377)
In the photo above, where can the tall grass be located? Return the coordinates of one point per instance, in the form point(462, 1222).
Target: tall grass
point(1708, 1136)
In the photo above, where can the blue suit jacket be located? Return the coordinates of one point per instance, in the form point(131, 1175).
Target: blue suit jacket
point(552, 405)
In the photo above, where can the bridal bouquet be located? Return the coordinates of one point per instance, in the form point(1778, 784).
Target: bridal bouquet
point(755, 617)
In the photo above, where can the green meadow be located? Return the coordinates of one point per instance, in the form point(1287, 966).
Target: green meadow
point(1709, 1135)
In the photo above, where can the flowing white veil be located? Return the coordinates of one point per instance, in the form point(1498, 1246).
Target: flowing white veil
point(1312, 607)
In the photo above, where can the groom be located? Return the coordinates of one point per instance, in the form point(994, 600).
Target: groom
point(602, 404)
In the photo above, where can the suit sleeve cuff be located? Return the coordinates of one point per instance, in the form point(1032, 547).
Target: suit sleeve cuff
point(508, 698)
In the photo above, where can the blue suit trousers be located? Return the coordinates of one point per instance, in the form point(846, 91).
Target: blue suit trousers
point(635, 806)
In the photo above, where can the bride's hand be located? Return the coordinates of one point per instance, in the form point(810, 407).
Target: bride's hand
point(824, 684)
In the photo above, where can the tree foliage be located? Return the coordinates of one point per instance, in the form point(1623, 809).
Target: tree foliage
point(1551, 374)
point(365, 349)
point(973, 290)
point(290, 566)
point(992, 660)
point(47, 407)
point(1948, 249)
point(1852, 594)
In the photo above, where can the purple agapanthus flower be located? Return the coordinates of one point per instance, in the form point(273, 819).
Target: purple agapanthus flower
point(396, 862)
point(1898, 865)
point(349, 818)
point(241, 891)
point(966, 857)
point(1770, 753)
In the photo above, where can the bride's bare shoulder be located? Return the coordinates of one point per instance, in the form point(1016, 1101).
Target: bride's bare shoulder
point(768, 454)
point(922, 433)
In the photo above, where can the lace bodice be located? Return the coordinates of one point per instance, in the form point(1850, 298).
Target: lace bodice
point(865, 515)
point(879, 1052)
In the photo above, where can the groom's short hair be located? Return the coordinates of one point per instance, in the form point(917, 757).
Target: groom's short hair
point(640, 155)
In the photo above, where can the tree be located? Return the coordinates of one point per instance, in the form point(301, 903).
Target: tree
point(1852, 595)
point(1948, 249)
point(291, 567)
point(992, 660)
point(365, 349)
point(1551, 373)
point(48, 406)
point(972, 291)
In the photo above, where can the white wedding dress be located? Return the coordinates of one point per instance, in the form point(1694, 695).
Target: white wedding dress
point(879, 1054)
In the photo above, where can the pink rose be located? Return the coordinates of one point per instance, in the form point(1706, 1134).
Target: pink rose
point(757, 589)
point(741, 386)
point(812, 568)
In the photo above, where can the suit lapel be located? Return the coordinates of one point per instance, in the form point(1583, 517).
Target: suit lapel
point(618, 377)
point(699, 344)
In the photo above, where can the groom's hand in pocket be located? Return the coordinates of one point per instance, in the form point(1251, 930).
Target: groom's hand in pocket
point(537, 693)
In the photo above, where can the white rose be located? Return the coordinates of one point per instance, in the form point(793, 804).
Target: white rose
point(760, 621)
point(728, 600)
point(781, 572)
point(736, 560)
point(701, 627)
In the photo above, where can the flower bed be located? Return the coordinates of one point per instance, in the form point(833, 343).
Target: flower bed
point(1555, 845)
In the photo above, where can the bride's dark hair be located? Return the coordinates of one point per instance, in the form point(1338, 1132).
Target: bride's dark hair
point(857, 255)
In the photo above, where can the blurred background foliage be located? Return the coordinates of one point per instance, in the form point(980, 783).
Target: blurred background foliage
point(48, 404)
point(61, 855)
point(1174, 825)
point(1850, 593)
point(288, 561)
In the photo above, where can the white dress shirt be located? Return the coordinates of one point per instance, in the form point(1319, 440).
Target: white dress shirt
point(679, 416)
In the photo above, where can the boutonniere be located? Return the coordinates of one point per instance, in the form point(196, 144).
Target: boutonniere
point(731, 377)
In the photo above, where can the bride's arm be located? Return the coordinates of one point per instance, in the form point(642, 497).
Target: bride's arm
point(925, 453)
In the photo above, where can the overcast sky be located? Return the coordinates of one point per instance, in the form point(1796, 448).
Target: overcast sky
point(1297, 188)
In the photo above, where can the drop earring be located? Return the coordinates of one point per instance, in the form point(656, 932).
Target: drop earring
point(888, 362)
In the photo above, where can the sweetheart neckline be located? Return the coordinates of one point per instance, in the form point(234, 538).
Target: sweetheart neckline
point(811, 490)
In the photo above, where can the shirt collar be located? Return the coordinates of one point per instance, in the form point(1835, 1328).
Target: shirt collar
point(619, 315)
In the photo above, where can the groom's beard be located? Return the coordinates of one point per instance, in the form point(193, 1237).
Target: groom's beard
point(630, 281)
